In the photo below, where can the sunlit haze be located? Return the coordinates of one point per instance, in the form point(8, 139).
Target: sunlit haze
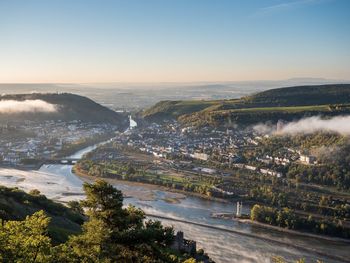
point(84, 41)
point(193, 131)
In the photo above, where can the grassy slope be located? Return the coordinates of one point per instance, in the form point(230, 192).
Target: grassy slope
point(286, 103)
point(174, 109)
point(304, 95)
point(16, 205)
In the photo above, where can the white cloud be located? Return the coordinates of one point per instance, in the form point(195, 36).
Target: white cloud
point(15, 106)
point(339, 124)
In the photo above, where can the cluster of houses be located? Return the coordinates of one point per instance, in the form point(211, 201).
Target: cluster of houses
point(34, 140)
point(286, 159)
point(258, 170)
point(171, 139)
point(207, 144)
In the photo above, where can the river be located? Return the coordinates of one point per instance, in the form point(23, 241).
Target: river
point(59, 183)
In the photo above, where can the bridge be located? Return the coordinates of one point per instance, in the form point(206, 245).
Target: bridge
point(68, 161)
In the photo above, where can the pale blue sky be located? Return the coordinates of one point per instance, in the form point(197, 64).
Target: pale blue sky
point(173, 40)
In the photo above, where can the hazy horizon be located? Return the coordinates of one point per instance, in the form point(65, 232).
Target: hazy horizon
point(173, 41)
point(120, 84)
point(136, 96)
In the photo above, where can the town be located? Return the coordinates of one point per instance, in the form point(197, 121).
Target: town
point(209, 147)
point(232, 165)
point(24, 143)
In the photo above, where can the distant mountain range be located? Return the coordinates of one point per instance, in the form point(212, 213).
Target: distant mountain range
point(288, 103)
point(57, 106)
point(137, 96)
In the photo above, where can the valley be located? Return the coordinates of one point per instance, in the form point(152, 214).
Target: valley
point(295, 194)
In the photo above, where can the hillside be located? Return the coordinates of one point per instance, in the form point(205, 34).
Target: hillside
point(35, 229)
point(66, 107)
point(16, 205)
point(303, 95)
point(283, 103)
point(173, 109)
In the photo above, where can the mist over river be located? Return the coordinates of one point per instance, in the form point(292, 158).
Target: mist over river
point(59, 183)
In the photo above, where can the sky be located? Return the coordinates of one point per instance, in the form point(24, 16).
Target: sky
point(90, 41)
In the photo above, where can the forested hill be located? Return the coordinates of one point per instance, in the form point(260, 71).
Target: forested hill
point(96, 229)
point(67, 106)
point(283, 103)
point(302, 96)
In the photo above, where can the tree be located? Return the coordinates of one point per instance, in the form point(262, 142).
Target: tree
point(93, 245)
point(255, 212)
point(278, 259)
point(104, 202)
point(110, 234)
point(25, 241)
point(190, 260)
point(34, 192)
point(76, 207)
point(114, 233)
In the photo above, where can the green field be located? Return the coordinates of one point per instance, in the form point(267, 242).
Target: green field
point(271, 105)
point(286, 109)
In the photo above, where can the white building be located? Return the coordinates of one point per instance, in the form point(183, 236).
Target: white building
point(201, 156)
point(308, 159)
point(239, 209)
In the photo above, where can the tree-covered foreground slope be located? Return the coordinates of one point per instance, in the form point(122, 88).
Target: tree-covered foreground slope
point(16, 205)
point(284, 103)
point(110, 232)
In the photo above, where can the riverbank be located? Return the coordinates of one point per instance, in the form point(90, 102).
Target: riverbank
point(21, 167)
point(232, 248)
point(149, 196)
point(291, 231)
point(251, 235)
point(35, 164)
point(246, 220)
point(85, 143)
point(90, 178)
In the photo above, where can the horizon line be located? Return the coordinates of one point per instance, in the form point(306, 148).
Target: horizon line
point(180, 82)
